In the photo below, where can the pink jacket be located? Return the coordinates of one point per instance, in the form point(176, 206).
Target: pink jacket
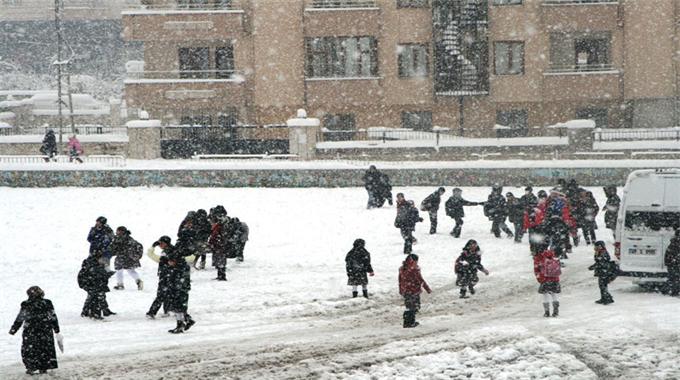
point(74, 144)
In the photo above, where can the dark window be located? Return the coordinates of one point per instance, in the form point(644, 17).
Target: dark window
point(417, 120)
point(509, 58)
point(204, 4)
point(196, 120)
point(651, 220)
point(412, 3)
point(194, 62)
point(413, 60)
point(224, 61)
point(341, 57)
point(339, 127)
point(598, 115)
point(507, 2)
point(591, 51)
point(515, 121)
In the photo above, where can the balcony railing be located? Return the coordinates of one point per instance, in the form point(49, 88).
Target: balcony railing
point(605, 134)
point(575, 2)
point(180, 5)
point(184, 74)
point(339, 4)
point(590, 68)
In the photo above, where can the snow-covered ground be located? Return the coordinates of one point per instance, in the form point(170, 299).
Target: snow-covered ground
point(286, 311)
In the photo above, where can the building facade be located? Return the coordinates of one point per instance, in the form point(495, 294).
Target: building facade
point(466, 65)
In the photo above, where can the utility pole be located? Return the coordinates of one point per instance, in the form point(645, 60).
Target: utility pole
point(57, 23)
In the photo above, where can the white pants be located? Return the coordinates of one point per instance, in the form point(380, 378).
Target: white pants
point(133, 274)
point(551, 297)
point(363, 287)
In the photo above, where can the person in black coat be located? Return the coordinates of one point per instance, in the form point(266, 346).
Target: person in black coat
point(407, 217)
point(220, 244)
point(94, 278)
point(100, 238)
point(178, 283)
point(672, 262)
point(431, 205)
point(357, 264)
point(128, 252)
point(515, 215)
point(40, 323)
point(49, 145)
point(454, 209)
point(467, 265)
point(239, 237)
point(202, 227)
point(528, 200)
point(605, 271)
point(372, 185)
point(611, 208)
point(384, 190)
point(496, 210)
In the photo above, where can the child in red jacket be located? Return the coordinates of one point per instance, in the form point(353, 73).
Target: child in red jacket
point(547, 269)
point(411, 283)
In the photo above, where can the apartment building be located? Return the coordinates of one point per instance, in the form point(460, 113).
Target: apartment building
point(467, 65)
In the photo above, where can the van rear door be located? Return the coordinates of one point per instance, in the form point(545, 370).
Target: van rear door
point(641, 254)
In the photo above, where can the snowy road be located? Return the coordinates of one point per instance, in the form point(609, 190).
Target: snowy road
point(285, 311)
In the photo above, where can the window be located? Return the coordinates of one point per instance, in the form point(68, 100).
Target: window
point(598, 115)
point(11, 2)
point(580, 51)
point(224, 61)
point(652, 220)
point(339, 127)
point(412, 3)
point(509, 58)
point(341, 57)
point(515, 119)
point(507, 2)
point(194, 62)
point(196, 120)
point(412, 60)
point(417, 120)
point(203, 4)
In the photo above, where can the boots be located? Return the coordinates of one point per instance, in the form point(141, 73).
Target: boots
point(462, 293)
point(556, 309)
point(119, 287)
point(472, 289)
point(221, 274)
point(179, 329)
point(140, 284)
point(410, 319)
point(107, 312)
point(365, 293)
point(355, 294)
point(546, 307)
point(188, 322)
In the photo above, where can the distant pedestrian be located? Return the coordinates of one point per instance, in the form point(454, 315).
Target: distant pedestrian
point(74, 149)
point(219, 242)
point(515, 215)
point(466, 267)
point(611, 208)
point(357, 265)
point(496, 210)
point(401, 200)
point(547, 269)
point(407, 217)
point(178, 283)
point(411, 283)
point(372, 184)
point(203, 228)
point(587, 216)
point(431, 205)
point(605, 271)
point(94, 278)
point(454, 209)
point(240, 237)
point(672, 262)
point(100, 238)
point(128, 252)
point(49, 145)
point(528, 200)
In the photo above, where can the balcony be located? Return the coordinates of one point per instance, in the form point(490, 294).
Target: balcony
point(582, 83)
point(341, 4)
point(184, 6)
point(184, 76)
point(600, 68)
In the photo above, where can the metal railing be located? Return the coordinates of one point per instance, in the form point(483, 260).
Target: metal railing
point(183, 74)
point(192, 5)
point(600, 135)
point(214, 132)
point(385, 134)
point(80, 129)
point(567, 2)
point(556, 69)
point(335, 4)
point(105, 160)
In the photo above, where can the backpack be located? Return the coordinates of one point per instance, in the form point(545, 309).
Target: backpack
point(551, 267)
point(82, 280)
point(138, 251)
point(555, 208)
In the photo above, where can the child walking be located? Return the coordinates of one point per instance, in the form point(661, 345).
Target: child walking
point(357, 264)
point(411, 283)
point(547, 269)
point(467, 265)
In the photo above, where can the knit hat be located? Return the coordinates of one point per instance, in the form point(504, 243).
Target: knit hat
point(101, 220)
point(599, 244)
point(163, 239)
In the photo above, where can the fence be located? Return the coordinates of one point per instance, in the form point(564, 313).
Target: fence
point(80, 129)
point(636, 134)
point(385, 134)
point(343, 3)
point(105, 160)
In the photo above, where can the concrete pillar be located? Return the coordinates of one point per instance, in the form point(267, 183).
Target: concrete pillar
point(580, 134)
point(144, 139)
point(302, 135)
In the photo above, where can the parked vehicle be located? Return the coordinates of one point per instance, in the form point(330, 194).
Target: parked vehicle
point(648, 215)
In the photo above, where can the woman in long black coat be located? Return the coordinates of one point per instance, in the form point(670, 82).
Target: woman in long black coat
point(40, 324)
point(357, 264)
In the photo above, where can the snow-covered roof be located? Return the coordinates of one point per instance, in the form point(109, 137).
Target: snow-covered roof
point(4, 125)
point(143, 124)
point(83, 104)
point(7, 115)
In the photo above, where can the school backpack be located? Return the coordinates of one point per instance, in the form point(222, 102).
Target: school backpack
point(82, 278)
point(555, 208)
point(551, 267)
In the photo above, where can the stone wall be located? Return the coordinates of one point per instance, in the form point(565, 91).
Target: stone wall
point(310, 178)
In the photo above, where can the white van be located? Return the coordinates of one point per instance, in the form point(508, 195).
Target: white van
point(648, 216)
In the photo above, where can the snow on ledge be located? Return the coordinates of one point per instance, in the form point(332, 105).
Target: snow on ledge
point(143, 124)
point(143, 12)
point(575, 124)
